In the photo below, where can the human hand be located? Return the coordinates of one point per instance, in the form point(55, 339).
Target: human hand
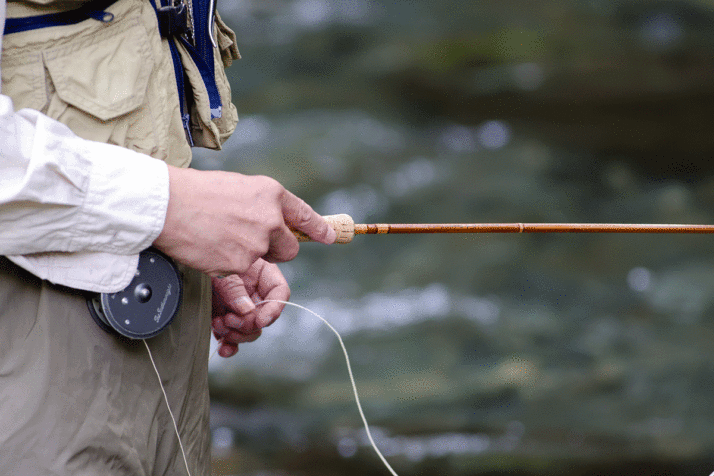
point(236, 319)
point(223, 222)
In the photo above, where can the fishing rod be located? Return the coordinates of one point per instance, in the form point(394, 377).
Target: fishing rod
point(153, 297)
point(346, 228)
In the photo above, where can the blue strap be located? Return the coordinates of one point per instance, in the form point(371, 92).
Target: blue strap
point(203, 16)
point(201, 54)
point(208, 77)
point(181, 86)
point(180, 78)
point(93, 9)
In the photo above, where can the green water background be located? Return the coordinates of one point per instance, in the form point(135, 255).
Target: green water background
point(481, 354)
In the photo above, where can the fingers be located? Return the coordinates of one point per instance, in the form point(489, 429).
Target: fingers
point(229, 337)
point(300, 216)
point(233, 337)
point(271, 286)
point(236, 319)
point(232, 307)
point(228, 343)
point(283, 246)
point(221, 222)
point(297, 215)
point(230, 294)
point(265, 282)
point(227, 349)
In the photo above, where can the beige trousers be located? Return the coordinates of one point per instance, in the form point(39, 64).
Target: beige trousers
point(75, 400)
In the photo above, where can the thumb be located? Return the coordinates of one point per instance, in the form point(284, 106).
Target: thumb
point(230, 294)
point(300, 216)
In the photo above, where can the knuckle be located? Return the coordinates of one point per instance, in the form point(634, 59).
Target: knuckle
point(219, 327)
point(289, 254)
point(241, 261)
point(229, 267)
point(286, 252)
point(274, 221)
point(261, 250)
point(292, 252)
point(305, 214)
point(231, 284)
point(269, 185)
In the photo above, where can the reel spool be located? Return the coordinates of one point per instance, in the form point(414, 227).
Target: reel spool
point(145, 307)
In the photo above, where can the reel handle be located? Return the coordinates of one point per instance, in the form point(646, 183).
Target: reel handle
point(343, 224)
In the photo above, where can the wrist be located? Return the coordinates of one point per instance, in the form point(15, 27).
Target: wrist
point(179, 181)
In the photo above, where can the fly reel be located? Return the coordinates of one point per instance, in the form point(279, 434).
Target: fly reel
point(145, 307)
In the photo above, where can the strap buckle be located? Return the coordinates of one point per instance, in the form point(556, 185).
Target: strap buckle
point(173, 20)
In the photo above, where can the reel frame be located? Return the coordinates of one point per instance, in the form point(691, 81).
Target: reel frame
point(147, 305)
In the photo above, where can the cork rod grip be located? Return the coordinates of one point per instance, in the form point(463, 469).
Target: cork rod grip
point(343, 224)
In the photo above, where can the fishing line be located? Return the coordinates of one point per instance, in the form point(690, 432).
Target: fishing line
point(349, 371)
point(166, 399)
point(215, 351)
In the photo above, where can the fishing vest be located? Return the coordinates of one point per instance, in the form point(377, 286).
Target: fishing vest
point(143, 75)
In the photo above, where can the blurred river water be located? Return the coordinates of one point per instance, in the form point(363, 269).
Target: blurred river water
point(479, 354)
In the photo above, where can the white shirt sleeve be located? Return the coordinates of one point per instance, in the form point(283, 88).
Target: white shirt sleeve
point(73, 211)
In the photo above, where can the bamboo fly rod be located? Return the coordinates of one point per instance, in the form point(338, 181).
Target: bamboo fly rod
point(346, 228)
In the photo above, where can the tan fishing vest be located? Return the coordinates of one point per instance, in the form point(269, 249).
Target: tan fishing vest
point(114, 82)
point(74, 399)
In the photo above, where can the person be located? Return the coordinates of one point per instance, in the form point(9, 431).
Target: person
point(96, 122)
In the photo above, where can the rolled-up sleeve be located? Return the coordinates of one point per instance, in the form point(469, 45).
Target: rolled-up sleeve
point(63, 194)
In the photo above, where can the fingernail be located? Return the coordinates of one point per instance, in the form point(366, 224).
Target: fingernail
point(244, 304)
point(233, 322)
point(226, 352)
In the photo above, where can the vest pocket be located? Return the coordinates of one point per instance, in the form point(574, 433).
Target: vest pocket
point(23, 79)
point(99, 84)
point(106, 77)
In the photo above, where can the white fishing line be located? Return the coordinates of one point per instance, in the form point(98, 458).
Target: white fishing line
point(349, 371)
point(166, 399)
point(215, 351)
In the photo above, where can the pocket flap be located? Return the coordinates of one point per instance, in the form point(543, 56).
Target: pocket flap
point(107, 75)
